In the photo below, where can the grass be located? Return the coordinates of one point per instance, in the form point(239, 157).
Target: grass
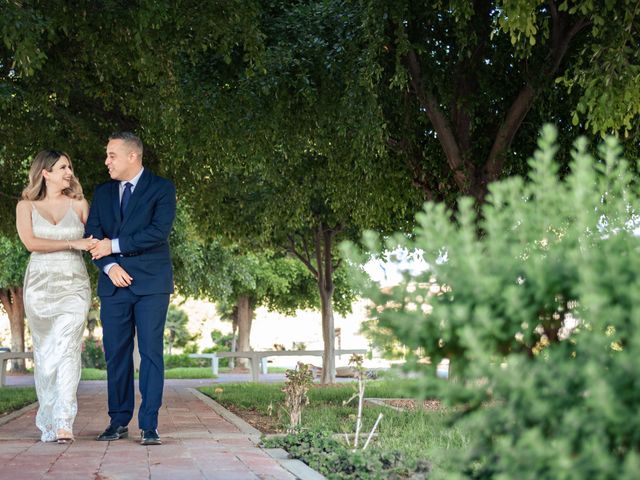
point(269, 369)
point(189, 372)
point(170, 373)
point(14, 398)
point(93, 374)
point(418, 435)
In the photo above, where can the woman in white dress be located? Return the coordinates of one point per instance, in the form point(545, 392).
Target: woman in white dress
point(50, 221)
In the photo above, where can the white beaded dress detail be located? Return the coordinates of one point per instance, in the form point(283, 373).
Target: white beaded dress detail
point(57, 297)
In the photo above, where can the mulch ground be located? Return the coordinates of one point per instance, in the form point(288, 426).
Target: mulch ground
point(264, 423)
point(411, 405)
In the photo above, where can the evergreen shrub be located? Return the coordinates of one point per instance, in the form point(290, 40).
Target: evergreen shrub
point(534, 299)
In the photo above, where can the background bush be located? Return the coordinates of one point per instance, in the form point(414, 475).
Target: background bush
point(92, 355)
point(501, 294)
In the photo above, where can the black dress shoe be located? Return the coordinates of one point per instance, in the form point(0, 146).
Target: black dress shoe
point(113, 433)
point(149, 437)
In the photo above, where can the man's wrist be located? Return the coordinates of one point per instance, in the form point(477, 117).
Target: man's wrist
point(108, 267)
point(115, 245)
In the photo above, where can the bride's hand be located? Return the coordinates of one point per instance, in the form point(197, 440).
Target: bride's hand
point(83, 243)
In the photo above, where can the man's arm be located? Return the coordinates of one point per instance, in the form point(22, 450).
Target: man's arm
point(158, 230)
point(93, 227)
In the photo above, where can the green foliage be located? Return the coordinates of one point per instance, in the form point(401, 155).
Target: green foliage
point(183, 360)
point(92, 355)
point(176, 331)
point(13, 261)
point(222, 343)
point(93, 374)
point(535, 304)
point(334, 460)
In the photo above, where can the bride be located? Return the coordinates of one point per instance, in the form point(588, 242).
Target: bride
point(50, 221)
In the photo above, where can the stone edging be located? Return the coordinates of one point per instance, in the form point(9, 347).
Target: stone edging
point(232, 418)
point(10, 416)
point(299, 469)
point(380, 402)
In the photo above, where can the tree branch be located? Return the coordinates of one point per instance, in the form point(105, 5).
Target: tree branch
point(292, 249)
point(462, 170)
point(336, 265)
point(561, 36)
point(6, 300)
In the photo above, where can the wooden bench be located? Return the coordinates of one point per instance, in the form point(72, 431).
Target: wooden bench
point(4, 357)
point(258, 359)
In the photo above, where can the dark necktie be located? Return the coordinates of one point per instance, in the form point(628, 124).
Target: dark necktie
point(126, 195)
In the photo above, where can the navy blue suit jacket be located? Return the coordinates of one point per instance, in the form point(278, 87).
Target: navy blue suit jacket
point(143, 233)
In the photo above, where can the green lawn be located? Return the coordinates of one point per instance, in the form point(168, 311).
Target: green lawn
point(418, 435)
point(170, 373)
point(14, 398)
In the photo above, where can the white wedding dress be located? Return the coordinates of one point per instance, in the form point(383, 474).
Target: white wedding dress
point(57, 297)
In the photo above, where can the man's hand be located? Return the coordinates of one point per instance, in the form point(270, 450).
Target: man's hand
point(101, 249)
point(119, 276)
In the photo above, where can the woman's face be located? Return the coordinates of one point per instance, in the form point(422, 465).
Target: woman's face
point(60, 175)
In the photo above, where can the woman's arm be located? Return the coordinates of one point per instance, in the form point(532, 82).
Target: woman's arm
point(42, 245)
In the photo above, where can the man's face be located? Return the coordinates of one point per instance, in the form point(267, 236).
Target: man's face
point(121, 160)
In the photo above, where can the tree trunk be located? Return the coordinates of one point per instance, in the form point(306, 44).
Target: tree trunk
point(323, 271)
point(12, 301)
point(245, 317)
point(234, 337)
point(324, 260)
point(328, 336)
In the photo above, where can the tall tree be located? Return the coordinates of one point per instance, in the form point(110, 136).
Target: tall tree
point(286, 156)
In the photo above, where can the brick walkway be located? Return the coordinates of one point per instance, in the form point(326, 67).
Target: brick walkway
point(198, 443)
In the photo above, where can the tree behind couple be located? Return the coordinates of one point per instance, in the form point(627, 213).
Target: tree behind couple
point(127, 230)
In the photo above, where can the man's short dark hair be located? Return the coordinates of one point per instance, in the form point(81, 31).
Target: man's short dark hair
point(130, 138)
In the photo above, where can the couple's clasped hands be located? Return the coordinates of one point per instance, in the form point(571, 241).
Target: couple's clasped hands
point(97, 248)
point(102, 248)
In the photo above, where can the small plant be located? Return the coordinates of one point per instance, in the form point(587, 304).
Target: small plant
point(298, 346)
point(328, 456)
point(356, 361)
point(296, 387)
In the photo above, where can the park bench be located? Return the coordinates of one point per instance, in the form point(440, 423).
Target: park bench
point(4, 357)
point(258, 359)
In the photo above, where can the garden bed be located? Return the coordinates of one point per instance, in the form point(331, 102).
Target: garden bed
point(410, 435)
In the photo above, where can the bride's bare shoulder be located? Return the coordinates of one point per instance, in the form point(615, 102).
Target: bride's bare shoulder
point(24, 205)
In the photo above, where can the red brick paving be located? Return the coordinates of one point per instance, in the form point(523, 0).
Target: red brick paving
point(197, 444)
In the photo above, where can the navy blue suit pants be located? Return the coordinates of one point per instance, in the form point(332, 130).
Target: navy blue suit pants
point(122, 314)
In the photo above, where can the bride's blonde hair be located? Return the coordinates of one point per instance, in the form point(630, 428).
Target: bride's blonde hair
point(37, 188)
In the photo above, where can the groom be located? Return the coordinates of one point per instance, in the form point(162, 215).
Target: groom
point(132, 215)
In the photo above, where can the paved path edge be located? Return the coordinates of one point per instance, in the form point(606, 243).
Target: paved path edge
point(232, 418)
point(17, 413)
point(298, 468)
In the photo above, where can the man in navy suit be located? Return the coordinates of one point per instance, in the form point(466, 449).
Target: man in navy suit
point(132, 215)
